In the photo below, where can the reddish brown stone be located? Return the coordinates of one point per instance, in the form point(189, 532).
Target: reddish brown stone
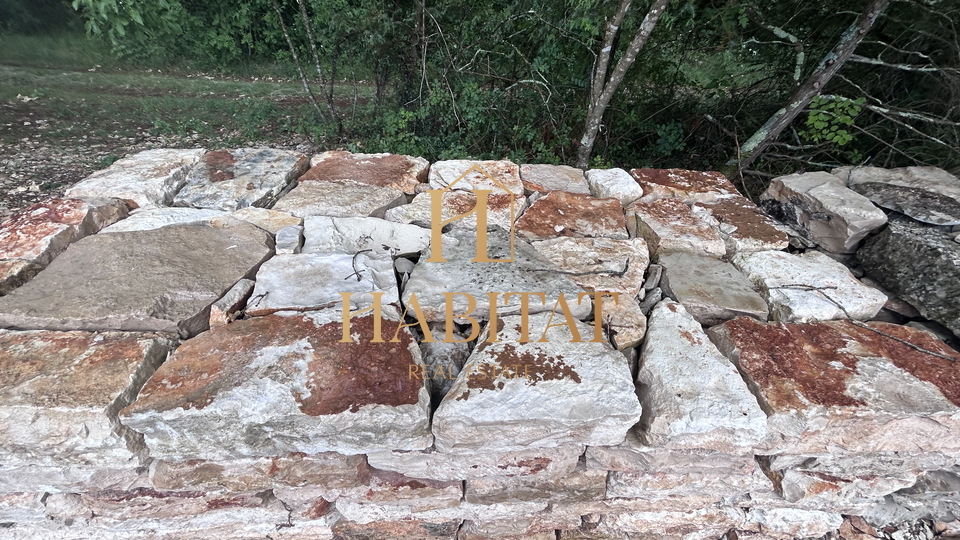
point(44, 230)
point(385, 170)
point(754, 230)
point(689, 186)
point(391, 488)
point(669, 226)
point(560, 213)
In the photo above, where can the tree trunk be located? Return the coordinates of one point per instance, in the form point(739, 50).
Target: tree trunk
point(331, 106)
point(831, 63)
point(296, 60)
point(602, 87)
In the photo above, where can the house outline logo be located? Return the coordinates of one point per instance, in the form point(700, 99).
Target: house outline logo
point(481, 209)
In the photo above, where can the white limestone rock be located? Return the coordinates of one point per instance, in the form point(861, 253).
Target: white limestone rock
point(513, 395)
point(351, 235)
point(339, 199)
point(145, 219)
point(616, 183)
point(821, 208)
point(693, 396)
point(554, 462)
point(711, 290)
point(546, 178)
point(269, 220)
point(599, 264)
point(809, 287)
point(148, 178)
point(625, 321)
point(289, 240)
point(788, 523)
point(314, 281)
point(670, 226)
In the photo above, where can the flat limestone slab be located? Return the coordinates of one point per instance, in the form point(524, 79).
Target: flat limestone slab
point(809, 287)
point(148, 178)
point(60, 393)
point(616, 183)
point(41, 232)
point(599, 264)
point(314, 281)
point(502, 209)
point(161, 280)
point(712, 291)
point(386, 170)
point(466, 175)
point(743, 226)
point(530, 272)
point(822, 209)
point(145, 219)
point(530, 463)
point(693, 396)
point(351, 235)
point(512, 395)
point(339, 199)
point(232, 179)
point(582, 484)
point(688, 186)
point(268, 220)
point(271, 385)
point(669, 226)
point(930, 179)
point(569, 214)
point(845, 387)
point(546, 178)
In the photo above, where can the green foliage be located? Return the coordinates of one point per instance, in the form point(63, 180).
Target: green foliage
point(829, 119)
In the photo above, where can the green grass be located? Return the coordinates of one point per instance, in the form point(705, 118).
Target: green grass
point(64, 50)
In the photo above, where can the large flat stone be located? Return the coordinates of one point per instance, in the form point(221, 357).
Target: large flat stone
point(286, 384)
point(788, 523)
point(148, 178)
point(920, 204)
point(712, 291)
point(845, 387)
point(616, 183)
point(503, 209)
point(385, 170)
point(44, 230)
point(693, 397)
point(920, 264)
point(153, 217)
point(418, 494)
point(688, 186)
point(599, 264)
point(311, 282)
point(268, 220)
point(744, 227)
point(569, 214)
point(514, 395)
point(929, 179)
point(669, 226)
point(582, 484)
point(60, 393)
point(242, 177)
point(339, 199)
point(352, 235)
point(158, 280)
point(546, 178)
point(809, 287)
point(705, 523)
point(466, 175)
point(529, 272)
point(822, 209)
point(553, 463)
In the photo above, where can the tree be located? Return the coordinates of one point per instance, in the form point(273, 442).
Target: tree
point(604, 86)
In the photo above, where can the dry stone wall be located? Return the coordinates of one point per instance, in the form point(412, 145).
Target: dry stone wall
point(608, 355)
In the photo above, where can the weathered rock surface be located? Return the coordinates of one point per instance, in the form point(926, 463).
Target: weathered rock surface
point(314, 281)
point(546, 178)
point(570, 214)
point(626, 322)
point(353, 235)
point(16, 272)
point(228, 308)
point(339, 199)
point(688, 186)
point(399, 530)
point(693, 396)
point(666, 524)
point(822, 209)
point(153, 217)
point(418, 494)
point(44, 230)
point(920, 204)
point(530, 272)
point(268, 220)
point(552, 463)
point(158, 280)
point(582, 484)
point(60, 393)
point(599, 264)
point(385, 170)
point(286, 384)
point(502, 209)
point(242, 177)
point(289, 240)
point(744, 227)
point(466, 175)
point(809, 287)
point(514, 395)
point(847, 387)
point(669, 226)
point(923, 178)
point(788, 523)
point(616, 183)
point(712, 291)
point(920, 264)
point(148, 178)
